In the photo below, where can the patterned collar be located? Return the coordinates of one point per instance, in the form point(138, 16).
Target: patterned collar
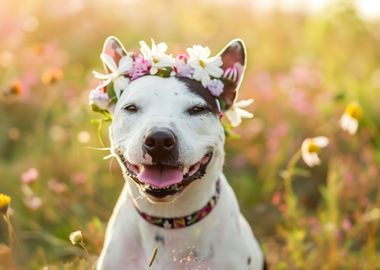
point(184, 221)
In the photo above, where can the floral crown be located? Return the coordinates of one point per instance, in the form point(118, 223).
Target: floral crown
point(220, 74)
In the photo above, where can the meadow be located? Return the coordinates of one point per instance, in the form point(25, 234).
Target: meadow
point(304, 72)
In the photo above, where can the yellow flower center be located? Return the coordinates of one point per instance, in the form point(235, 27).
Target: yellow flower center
point(353, 109)
point(313, 148)
point(155, 60)
point(202, 63)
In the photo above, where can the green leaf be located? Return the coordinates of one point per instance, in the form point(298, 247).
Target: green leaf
point(229, 133)
point(111, 93)
point(164, 72)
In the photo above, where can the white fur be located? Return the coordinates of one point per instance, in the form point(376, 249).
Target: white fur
point(223, 240)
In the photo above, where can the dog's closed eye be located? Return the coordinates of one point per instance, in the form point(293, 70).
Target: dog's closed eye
point(198, 109)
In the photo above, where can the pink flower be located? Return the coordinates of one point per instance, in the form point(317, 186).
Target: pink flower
point(31, 200)
point(139, 68)
point(277, 198)
point(346, 224)
point(56, 186)
point(79, 178)
point(183, 57)
point(34, 202)
point(216, 87)
point(29, 176)
point(181, 68)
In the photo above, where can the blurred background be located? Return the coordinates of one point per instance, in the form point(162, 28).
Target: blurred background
point(306, 61)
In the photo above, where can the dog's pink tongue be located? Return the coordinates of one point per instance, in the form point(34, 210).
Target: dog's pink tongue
point(160, 176)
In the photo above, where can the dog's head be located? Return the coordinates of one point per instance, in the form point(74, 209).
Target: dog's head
point(166, 132)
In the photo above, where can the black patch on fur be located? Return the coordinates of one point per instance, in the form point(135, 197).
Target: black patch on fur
point(249, 260)
point(198, 89)
point(159, 239)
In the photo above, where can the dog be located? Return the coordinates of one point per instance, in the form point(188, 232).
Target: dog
point(168, 138)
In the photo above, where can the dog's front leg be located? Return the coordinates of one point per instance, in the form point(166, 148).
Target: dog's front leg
point(121, 248)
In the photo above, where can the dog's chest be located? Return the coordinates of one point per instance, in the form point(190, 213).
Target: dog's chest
point(213, 243)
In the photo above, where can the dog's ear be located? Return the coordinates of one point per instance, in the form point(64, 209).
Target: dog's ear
point(234, 62)
point(113, 48)
point(112, 51)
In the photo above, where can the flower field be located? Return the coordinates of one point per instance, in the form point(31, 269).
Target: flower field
point(306, 168)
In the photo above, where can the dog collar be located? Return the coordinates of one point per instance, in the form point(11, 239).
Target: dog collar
point(184, 221)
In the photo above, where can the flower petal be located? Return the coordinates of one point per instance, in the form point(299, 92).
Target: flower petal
point(101, 76)
point(125, 64)
point(120, 84)
point(244, 113)
point(108, 61)
point(321, 141)
point(243, 103)
point(233, 117)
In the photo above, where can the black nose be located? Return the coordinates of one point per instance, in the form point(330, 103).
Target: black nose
point(160, 144)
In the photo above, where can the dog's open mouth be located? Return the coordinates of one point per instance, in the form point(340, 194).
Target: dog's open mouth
point(161, 180)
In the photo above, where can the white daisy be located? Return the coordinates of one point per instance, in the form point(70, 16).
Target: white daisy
point(117, 72)
point(156, 56)
point(204, 65)
point(76, 237)
point(310, 149)
point(350, 119)
point(236, 113)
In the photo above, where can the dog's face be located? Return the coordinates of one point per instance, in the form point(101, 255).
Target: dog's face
point(166, 132)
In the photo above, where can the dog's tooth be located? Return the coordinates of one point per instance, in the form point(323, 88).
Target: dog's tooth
point(194, 169)
point(185, 170)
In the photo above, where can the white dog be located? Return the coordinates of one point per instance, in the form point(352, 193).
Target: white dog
point(167, 135)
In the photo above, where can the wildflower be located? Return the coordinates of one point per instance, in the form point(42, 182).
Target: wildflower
point(216, 87)
point(310, 149)
point(5, 200)
point(33, 202)
point(51, 76)
point(76, 237)
point(139, 68)
point(16, 88)
point(79, 178)
point(98, 97)
point(56, 186)
point(236, 113)
point(350, 119)
point(346, 224)
point(156, 56)
point(204, 65)
point(117, 72)
point(30, 176)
